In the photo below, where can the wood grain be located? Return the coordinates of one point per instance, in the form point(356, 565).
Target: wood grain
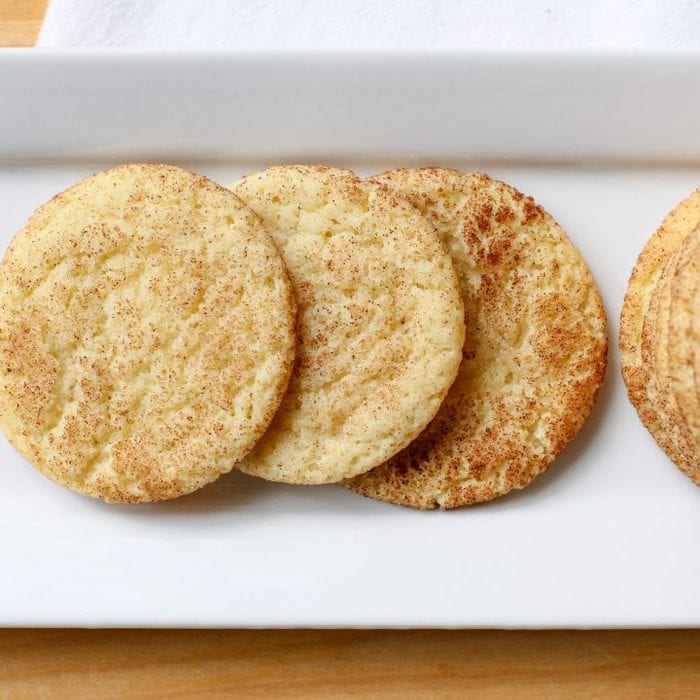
point(339, 664)
point(335, 664)
point(20, 21)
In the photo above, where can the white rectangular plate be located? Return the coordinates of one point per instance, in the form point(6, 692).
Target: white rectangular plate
point(609, 537)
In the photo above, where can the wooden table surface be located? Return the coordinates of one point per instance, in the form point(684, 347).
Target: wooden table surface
point(342, 663)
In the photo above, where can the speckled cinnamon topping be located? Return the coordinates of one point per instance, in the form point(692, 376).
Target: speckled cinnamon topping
point(683, 352)
point(655, 374)
point(535, 351)
point(146, 334)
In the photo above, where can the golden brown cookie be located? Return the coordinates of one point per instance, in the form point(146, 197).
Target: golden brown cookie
point(380, 323)
point(684, 341)
point(146, 334)
point(535, 352)
point(671, 431)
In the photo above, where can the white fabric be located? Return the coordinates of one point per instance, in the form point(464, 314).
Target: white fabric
point(362, 24)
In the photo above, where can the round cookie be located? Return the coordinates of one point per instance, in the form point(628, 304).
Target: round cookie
point(535, 352)
point(671, 434)
point(146, 334)
point(380, 323)
point(637, 369)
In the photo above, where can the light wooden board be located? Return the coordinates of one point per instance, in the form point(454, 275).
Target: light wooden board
point(330, 664)
point(337, 664)
point(20, 21)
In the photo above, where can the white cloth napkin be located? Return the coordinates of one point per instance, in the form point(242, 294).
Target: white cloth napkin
point(362, 24)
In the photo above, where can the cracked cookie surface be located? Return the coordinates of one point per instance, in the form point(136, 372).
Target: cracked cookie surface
point(380, 323)
point(146, 334)
point(534, 355)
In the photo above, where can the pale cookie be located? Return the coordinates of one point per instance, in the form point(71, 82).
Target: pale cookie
point(535, 352)
point(146, 334)
point(637, 373)
point(380, 323)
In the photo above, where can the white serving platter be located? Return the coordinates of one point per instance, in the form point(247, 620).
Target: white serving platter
point(609, 537)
